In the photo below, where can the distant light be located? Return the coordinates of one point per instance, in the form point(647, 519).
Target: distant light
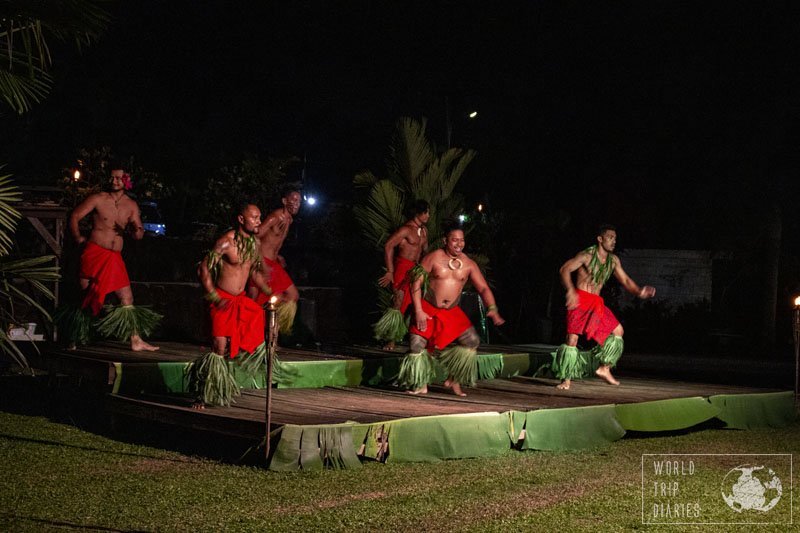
point(273, 300)
point(462, 218)
point(480, 208)
point(473, 114)
point(76, 175)
point(311, 200)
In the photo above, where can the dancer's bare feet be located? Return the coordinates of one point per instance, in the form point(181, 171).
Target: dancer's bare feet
point(198, 405)
point(138, 345)
point(389, 346)
point(455, 386)
point(564, 385)
point(423, 390)
point(72, 347)
point(604, 372)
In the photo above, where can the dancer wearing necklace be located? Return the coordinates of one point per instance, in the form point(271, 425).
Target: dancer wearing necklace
point(270, 236)
point(436, 291)
point(224, 273)
point(102, 270)
point(587, 314)
point(400, 253)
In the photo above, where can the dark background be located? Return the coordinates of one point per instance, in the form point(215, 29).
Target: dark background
point(676, 121)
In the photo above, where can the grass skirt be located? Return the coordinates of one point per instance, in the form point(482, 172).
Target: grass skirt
point(416, 370)
point(123, 321)
point(461, 364)
point(74, 324)
point(254, 365)
point(391, 327)
point(285, 314)
point(211, 381)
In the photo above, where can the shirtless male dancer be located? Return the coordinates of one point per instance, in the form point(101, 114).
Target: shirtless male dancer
point(586, 311)
point(224, 273)
point(271, 234)
point(409, 242)
point(102, 270)
point(438, 320)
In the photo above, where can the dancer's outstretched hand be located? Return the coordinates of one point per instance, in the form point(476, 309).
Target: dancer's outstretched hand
point(647, 292)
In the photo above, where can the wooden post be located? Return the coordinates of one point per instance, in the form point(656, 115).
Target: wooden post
point(272, 344)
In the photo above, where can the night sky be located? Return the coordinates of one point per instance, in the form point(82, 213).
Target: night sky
point(674, 120)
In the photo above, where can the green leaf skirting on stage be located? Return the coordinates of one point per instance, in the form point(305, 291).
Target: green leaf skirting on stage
point(161, 378)
point(573, 428)
point(314, 448)
point(748, 411)
point(665, 415)
point(433, 438)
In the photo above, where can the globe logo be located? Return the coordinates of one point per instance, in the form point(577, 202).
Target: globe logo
point(752, 488)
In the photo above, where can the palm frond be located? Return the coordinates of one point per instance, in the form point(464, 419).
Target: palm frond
point(382, 213)
point(365, 179)
point(9, 194)
point(410, 152)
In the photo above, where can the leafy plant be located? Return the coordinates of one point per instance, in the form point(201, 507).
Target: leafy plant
point(253, 180)
point(31, 272)
point(414, 171)
point(25, 27)
point(92, 171)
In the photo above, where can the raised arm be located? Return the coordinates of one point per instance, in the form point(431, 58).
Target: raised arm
point(83, 209)
point(479, 282)
point(388, 255)
point(642, 292)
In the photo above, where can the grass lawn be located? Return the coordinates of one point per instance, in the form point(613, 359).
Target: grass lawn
point(59, 477)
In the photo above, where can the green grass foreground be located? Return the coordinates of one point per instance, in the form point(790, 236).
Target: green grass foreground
point(57, 477)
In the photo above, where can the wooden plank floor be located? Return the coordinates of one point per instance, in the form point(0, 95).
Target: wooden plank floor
point(332, 405)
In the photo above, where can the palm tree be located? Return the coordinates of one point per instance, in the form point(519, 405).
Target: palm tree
point(414, 172)
point(25, 59)
point(25, 27)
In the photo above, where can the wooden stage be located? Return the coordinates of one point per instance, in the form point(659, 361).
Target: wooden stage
point(368, 402)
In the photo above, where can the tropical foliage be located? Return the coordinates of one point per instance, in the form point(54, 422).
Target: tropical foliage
point(415, 171)
point(91, 172)
point(25, 27)
point(20, 279)
point(253, 180)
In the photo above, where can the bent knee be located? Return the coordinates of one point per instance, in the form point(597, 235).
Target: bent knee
point(470, 339)
point(618, 331)
point(416, 343)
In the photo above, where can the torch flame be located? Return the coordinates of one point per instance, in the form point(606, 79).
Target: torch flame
point(797, 301)
point(274, 300)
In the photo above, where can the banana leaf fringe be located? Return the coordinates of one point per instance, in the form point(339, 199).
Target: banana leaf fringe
point(416, 370)
point(74, 324)
point(314, 448)
point(490, 366)
point(285, 315)
point(461, 364)
point(253, 364)
point(211, 381)
point(611, 351)
point(391, 327)
point(122, 321)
